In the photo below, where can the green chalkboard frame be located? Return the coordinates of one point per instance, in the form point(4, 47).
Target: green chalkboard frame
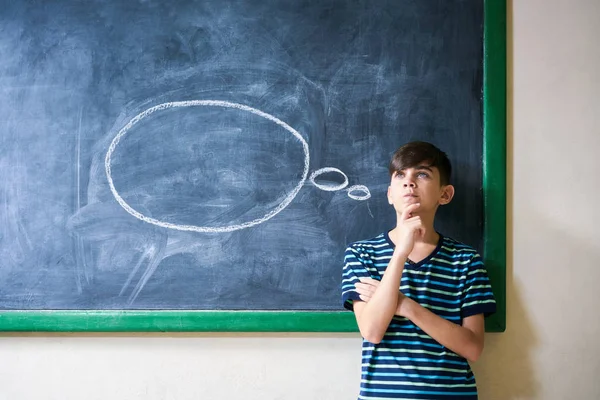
point(494, 155)
point(494, 191)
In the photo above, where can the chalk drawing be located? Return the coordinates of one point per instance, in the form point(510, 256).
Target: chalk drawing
point(327, 187)
point(366, 194)
point(278, 208)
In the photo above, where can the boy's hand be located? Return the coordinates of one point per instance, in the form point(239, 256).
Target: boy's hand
point(367, 286)
point(409, 229)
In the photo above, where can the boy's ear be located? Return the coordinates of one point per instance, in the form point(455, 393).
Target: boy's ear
point(447, 194)
point(389, 197)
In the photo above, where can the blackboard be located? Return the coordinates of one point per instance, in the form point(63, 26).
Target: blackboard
point(201, 165)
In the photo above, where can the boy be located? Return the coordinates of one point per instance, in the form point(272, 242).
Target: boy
point(419, 298)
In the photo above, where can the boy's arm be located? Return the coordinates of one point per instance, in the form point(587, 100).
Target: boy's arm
point(374, 316)
point(478, 300)
point(466, 340)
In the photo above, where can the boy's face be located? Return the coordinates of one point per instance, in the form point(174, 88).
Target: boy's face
point(420, 184)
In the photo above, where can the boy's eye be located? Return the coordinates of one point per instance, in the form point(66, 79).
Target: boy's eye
point(423, 175)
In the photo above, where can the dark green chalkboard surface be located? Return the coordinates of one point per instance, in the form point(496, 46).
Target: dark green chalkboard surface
point(202, 165)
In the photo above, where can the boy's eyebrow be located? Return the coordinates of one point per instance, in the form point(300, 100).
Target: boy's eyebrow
point(426, 167)
point(418, 167)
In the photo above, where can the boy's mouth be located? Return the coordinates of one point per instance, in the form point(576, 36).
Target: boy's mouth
point(410, 197)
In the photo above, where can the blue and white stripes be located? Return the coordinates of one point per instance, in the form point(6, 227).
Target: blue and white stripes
point(408, 364)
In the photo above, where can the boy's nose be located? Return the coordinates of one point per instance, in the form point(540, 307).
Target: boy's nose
point(409, 184)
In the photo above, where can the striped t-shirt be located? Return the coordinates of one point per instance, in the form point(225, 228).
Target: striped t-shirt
point(408, 364)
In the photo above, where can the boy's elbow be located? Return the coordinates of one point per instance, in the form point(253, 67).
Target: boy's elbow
point(372, 335)
point(373, 339)
point(473, 358)
point(371, 329)
point(474, 353)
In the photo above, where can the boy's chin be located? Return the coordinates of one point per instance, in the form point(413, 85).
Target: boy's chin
point(419, 211)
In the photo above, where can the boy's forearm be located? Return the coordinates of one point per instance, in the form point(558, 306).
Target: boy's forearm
point(457, 338)
point(380, 309)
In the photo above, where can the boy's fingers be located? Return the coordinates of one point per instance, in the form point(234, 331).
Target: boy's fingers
point(370, 281)
point(413, 220)
point(407, 213)
point(364, 288)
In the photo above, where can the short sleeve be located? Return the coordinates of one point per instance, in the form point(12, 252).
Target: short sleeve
point(354, 269)
point(477, 295)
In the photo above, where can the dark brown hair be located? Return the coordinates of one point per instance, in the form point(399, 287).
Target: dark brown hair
point(414, 154)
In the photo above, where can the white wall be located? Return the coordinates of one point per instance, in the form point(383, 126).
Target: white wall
point(551, 349)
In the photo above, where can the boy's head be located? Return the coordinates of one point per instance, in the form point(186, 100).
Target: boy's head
point(420, 173)
point(414, 154)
